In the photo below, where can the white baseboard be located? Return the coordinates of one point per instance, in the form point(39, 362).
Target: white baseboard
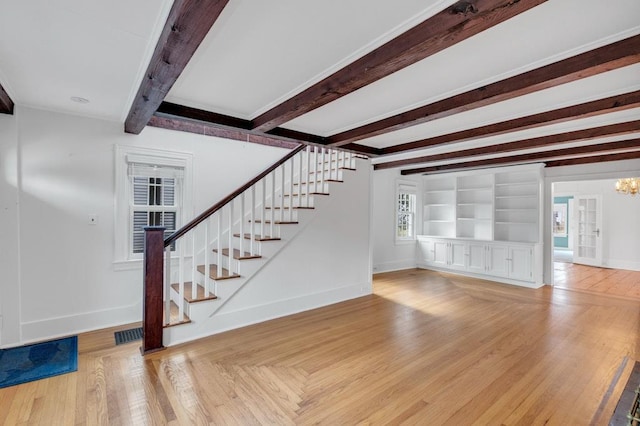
point(629, 265)
point(483, 277)
point(219, 323)
point(396, 265)
point(52, 328)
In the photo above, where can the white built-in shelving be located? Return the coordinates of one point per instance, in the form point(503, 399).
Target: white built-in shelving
point(484, 223)
point(474, 207)
point(439, 211)
point(517, 206)
point(501, 205)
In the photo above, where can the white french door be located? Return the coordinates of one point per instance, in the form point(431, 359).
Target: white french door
point(587, 246)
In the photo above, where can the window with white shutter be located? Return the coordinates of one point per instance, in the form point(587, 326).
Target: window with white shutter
point(152, 193)
point(154, 200)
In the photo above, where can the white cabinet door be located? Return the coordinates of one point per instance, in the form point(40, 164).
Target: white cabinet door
point(520, 263)
point(457, 255)
point(497, 260)
point(440, 250)
point(476, 258)
point(425, 250)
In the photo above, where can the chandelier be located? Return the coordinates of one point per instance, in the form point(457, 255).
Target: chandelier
point(628, 186)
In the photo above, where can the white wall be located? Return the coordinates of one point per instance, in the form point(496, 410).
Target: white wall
point(60, 277)
point(587, 172)
point(389, 255)
point(9, 229)
point(620, 231)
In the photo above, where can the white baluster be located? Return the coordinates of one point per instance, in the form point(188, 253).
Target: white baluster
point(194, 284)
point(230, 265)
point(219, 238)
point(282, 173)
point(264, 210)
point(308, 176)
point(181, 281)
point(207, 260)
point(291, 163)
point(315, 175)
point(300, 156)
point(331, 167)
point(241, 248)
point(167, 285)
point(252, 228)
point(322, 160)
point(273, 203)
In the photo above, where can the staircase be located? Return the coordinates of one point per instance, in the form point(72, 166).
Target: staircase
point(218, 253)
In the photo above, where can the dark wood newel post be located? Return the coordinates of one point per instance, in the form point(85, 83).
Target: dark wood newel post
point(153, 283)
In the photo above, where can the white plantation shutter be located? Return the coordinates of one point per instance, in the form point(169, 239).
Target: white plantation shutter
point(155, 185)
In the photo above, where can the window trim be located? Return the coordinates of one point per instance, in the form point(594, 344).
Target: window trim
point(123, 258)
point(408, 187)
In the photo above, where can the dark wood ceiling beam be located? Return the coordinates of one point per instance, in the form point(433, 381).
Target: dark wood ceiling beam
point(450, 26)
point(594, 159)
point(364, 149)
point(606, 58)
point(209, 129)
point(188, 23)
point(588, 109)
point(215, 120)
point(300, 136)
point(542, 141)
point(168, 109)
point(6, 104)
point(193, 120)
point(533, 157)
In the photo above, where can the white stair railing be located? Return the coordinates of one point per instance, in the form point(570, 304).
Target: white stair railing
point(212, 247)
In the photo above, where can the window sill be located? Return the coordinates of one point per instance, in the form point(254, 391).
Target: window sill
point(127, 265)
point(405, 242)
point(135, 264)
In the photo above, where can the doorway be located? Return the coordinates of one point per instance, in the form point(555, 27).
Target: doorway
point(596, 238)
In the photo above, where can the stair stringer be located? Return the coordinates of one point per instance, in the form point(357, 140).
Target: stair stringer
point(240, 303)
point(226, 289)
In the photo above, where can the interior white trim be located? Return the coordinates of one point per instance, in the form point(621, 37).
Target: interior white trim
point(123, 156)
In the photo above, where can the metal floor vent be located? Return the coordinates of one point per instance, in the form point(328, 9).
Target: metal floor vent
point(627, 411)
point(126, 336)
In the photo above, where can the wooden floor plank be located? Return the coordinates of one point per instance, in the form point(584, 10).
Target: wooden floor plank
point(425, 348)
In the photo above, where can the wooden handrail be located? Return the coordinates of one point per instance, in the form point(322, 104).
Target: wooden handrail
point(211, 210)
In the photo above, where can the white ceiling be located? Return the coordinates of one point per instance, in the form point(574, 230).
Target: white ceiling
point(260, 53)
point(94, 49)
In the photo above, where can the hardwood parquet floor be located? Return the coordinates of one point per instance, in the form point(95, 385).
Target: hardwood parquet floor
point(426, 348)
point(614, 282)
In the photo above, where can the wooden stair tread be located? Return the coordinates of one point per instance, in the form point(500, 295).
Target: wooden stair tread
point(258, 237)
point(174, 314)
point(311, 193)
point(327, 170)
point(236, 254)
point(200, 296)
point(213, 272)
point(277, 222)
point(317, 181)
point(287, 208)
